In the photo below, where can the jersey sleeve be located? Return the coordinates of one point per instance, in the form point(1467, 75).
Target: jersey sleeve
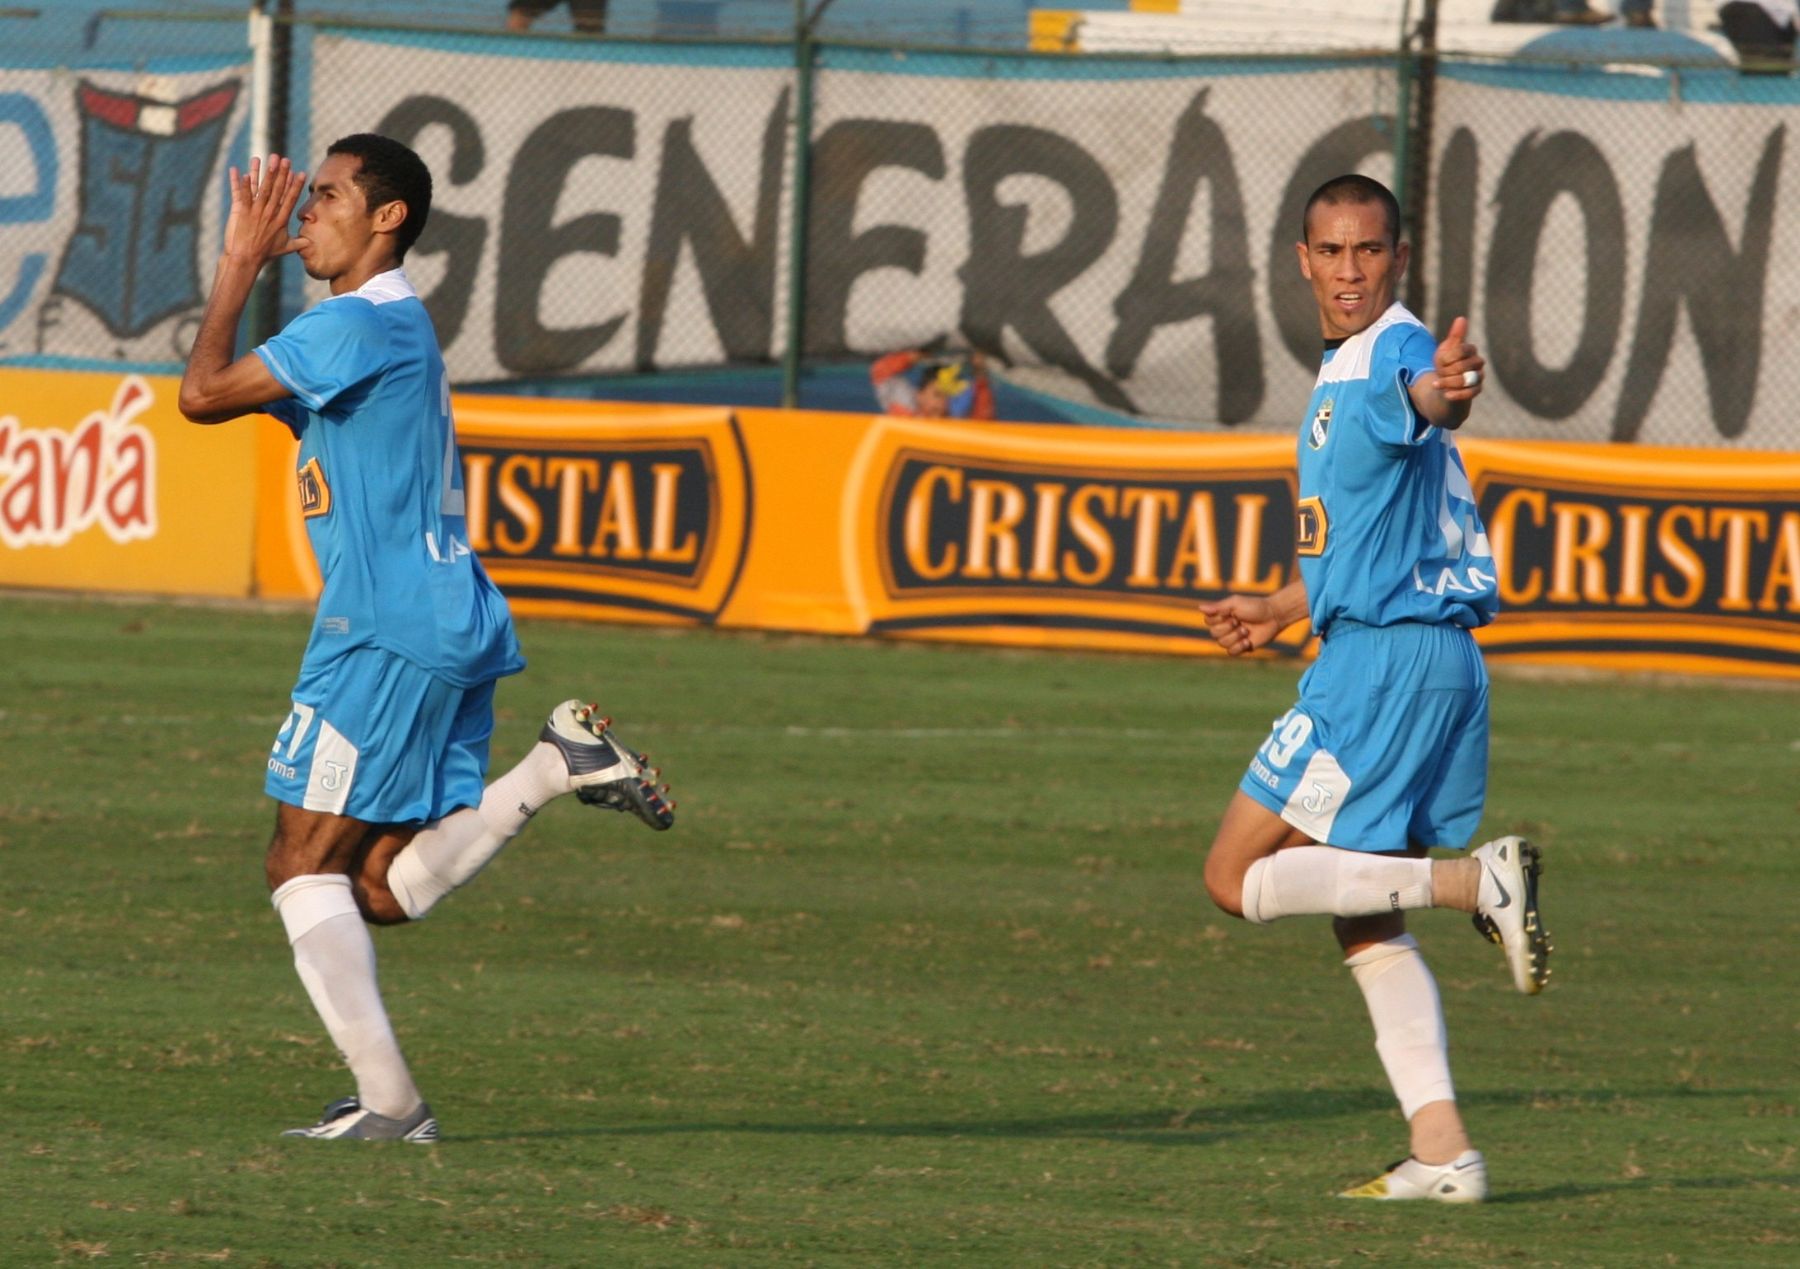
point(1401, 355)
point(326, 351)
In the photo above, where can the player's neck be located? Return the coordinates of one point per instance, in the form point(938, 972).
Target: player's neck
point(358, 275)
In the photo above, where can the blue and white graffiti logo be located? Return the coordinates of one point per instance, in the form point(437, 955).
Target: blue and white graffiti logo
point(146, 167)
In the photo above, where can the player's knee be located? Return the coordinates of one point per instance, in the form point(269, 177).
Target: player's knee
point(1355, 933)
point(283, 862)
point(1225, 886)
point(378, 905)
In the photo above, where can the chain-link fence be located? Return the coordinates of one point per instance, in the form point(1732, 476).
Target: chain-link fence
point(1116, 233)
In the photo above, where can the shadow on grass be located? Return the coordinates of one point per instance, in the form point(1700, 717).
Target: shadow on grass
point(1588, 1189)
point(1197, 1125)
point(1152, 1128)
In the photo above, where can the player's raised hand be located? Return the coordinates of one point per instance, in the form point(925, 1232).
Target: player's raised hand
point(262, 206)
point(1460, 367)
point(1241, 623)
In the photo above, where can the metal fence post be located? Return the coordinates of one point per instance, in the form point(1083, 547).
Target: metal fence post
point(1412, 150)
point(806, 50)
point(272, 51)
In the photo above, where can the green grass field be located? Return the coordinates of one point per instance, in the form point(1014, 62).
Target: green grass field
point(924, 974)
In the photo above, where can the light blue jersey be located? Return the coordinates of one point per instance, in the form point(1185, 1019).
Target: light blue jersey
point(1387, 746)
point(1388, 528)
point(381, 488)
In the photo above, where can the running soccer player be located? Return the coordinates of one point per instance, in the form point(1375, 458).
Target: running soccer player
point(377, 772)
point(1385, 755)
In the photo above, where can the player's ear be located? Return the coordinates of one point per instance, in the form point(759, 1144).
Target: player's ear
point(1402, 255)
point(390, 216)
point(1305, 264)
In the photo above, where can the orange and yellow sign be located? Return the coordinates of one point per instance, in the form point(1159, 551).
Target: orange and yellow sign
point(1613, 556)
point(104, 486)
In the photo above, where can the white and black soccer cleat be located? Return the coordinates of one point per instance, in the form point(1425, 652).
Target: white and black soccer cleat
point(602, 770)
point(346, 1120)
point(1462, 1180)
point(1506, 910)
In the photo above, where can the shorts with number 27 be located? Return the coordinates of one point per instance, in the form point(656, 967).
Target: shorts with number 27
point(374, 737)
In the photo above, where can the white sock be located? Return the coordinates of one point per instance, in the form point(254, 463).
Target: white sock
point(1326, 881)
point(336, 960)
point(448, 853)
point(1409, 1021)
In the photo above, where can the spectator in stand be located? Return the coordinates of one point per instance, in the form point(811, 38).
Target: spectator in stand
point(1571, 12)
point(1762, 31)
point(917, 385)
point(588, 16)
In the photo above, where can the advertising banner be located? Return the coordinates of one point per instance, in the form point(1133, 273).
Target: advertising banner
point(105, 487)
point(1045, 536)
point(112, 209)
point(1075, 537)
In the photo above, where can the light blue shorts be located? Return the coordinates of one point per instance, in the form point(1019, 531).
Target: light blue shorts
point(374, 737)
point(1388, 746)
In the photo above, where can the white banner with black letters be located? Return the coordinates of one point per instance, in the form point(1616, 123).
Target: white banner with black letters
point(1120, 234)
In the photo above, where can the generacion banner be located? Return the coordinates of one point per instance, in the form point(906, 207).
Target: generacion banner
point(1118, 235)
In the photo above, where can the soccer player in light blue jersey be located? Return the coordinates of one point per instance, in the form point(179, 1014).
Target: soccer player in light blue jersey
point(378, 772)
point(1385, 754)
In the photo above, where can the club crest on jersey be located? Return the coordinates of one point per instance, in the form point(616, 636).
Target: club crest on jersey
point(1320, 426)
point(315, 494)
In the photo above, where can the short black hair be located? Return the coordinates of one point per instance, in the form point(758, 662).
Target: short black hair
point(390, 173)
point(1357, 189)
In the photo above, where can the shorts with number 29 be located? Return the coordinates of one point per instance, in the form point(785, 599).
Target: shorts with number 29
point(1387, 747)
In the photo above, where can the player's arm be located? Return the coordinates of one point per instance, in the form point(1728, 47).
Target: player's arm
point(218, 385)
point(1444, 395)
point(1244, 623)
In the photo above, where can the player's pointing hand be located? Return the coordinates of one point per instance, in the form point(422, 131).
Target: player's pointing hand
point(1460, 368)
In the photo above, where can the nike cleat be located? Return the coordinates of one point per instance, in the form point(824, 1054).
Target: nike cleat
point(1462, 1180)
point(1506, 910)
point(346, 1120)
point(602, 771)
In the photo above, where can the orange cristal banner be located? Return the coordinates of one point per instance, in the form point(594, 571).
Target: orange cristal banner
point(1608, 556)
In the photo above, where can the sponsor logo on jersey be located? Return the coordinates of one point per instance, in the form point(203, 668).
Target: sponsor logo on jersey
point(315, 490)
point(1311, 527)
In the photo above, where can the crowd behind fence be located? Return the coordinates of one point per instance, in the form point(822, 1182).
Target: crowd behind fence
point(1115, 233)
